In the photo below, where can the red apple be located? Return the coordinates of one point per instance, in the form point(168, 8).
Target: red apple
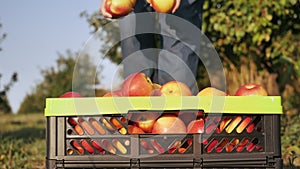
point(135, 130)
point(118, 8)
point(77, 147)
point(156, 86)
point(158, 147)
point(133, 2)
point(196, 126)
point(163, 6)
point(251, 89)
point(109, 94)
point(211, 91)
point(137, 84)
point(86, 145)
point(144, 143)
point(70, 94)
point(146, 125)
point(145, 121)
point(156, 90)
point(188, 116)
point(175, 88)
point(168, 124)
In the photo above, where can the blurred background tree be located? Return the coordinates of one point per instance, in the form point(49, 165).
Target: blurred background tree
point(59, 79)
point(2, 36)
point(4, 88)
point(4, 102)
point(257, 41)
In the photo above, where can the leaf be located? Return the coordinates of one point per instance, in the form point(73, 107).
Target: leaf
point(294, 150)
point(269, 17)
point(293, 2)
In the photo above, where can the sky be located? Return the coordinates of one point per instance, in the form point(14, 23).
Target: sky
point(36, 32)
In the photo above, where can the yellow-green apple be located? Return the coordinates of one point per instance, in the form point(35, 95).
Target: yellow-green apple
point(196, 126)
point(168, 124)
point(70, 94)
point(175, 88)
point(211, 91)
point(251, 89)
point(223, 124)
point(118, 8)
point(243, 124)
point(162, 6)
point(233, 124)
point(137, 84)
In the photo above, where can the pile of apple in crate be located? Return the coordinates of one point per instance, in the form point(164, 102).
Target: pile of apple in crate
point(147, 125)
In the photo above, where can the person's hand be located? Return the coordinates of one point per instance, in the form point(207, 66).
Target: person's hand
point(103, 10)
point(176, 6)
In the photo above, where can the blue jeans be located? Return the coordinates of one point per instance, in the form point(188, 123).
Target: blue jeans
point(169, 58)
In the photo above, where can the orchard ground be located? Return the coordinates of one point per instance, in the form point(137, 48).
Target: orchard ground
point(22, 141)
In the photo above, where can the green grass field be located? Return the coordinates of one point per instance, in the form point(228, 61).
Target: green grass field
point(22, 141)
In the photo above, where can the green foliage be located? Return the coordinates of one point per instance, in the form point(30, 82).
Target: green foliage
point(68, 75)
point(262, 31)
point(258, 41)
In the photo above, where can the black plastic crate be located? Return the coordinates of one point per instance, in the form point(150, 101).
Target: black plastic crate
point(89, 139)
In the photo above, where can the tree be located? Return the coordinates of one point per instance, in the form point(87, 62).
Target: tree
point(60, 79)
point(4, 102)
point(257, 41)
point(2, 36)
point(108, 35)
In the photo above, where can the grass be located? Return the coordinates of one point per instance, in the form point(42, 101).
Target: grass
point(22, 141)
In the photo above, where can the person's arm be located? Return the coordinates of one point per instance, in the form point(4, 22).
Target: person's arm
point(176, 6)
point(103, 10)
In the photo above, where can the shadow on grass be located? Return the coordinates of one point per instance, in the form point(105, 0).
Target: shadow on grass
point(22, 123)
point(26, 134)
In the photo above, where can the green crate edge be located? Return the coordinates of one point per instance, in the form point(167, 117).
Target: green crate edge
point(121, 105)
